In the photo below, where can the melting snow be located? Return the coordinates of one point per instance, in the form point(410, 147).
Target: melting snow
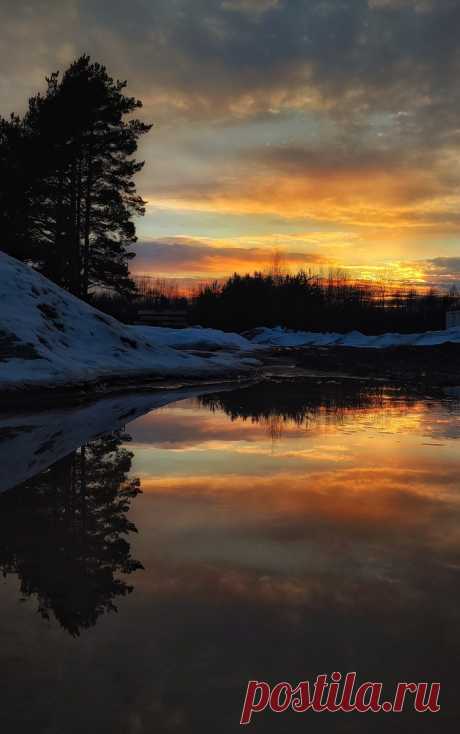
point(48, 337)
point(279, 337)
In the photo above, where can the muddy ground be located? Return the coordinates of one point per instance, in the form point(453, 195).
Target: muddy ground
point(437, 366)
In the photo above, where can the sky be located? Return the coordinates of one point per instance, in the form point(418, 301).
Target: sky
point(327, 130)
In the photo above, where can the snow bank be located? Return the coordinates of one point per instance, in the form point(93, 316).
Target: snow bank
point(279, 337)
point(50, 338)
point(195, 337)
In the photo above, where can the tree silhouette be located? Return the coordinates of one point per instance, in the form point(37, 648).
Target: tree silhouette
point(294, 402)
point(70, 162)
point(64, 533)
point(304, 301)
point(19, 187)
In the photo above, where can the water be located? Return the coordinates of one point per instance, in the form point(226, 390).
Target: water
point(272, 532)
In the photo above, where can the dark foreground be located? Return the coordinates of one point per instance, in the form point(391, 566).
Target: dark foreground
point(426, 366)
point(155, 559)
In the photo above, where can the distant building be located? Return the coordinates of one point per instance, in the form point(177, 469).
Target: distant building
point(452, 319)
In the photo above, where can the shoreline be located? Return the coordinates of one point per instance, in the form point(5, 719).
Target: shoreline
point(427, 367)
point(413, 368)
point(75, 394)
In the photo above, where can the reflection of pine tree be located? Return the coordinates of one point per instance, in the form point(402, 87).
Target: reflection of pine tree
point(62, 533)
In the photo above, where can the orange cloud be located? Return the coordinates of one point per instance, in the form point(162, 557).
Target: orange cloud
point(193, 256)
point(399, 200)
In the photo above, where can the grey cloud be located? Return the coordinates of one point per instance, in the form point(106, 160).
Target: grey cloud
point(440, 272)
point(384, 71)
point(354, 55)
point(256, 7)
point(179, 254)
point(450, 265)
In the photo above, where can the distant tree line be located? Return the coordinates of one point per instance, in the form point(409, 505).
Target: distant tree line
point(314, 303)
point(157, 294)
point(67, 195)
point(303, 301)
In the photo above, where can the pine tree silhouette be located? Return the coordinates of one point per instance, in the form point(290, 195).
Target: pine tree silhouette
point(73, 195)
point(64, 533)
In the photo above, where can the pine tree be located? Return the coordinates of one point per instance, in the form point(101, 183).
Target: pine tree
point(17, 187)
point(82, 199)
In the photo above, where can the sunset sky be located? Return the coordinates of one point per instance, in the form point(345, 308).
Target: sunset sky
point(328, 130)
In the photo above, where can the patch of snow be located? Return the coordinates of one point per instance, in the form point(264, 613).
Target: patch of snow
point(195, 337)
point(280, 337)
point(49, 338)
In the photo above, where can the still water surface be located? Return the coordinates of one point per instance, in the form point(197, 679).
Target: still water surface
point(156, 558)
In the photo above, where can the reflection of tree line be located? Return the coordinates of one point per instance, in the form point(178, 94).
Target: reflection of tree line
point(64, 533)
point(275, 404)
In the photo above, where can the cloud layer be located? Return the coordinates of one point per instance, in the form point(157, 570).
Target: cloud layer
point(339, 115)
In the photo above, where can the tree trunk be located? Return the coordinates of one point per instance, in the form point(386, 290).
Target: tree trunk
point(72, 279)
point(59, 255)
point(78, 275)
point(89, 183)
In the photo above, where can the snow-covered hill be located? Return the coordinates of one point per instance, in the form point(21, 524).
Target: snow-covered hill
point(50, 338)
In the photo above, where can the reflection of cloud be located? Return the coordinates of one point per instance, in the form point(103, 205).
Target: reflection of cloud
point(326, 534)
point(337, 508)
point(190, 427)
point(331, 492)
point(248, 575)
point(205, 425)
